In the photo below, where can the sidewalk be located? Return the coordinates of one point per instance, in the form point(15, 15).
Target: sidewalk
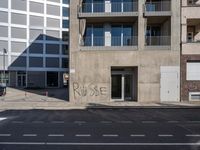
point(56, 99)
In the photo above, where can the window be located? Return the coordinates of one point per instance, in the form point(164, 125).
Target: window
point(190, 37)
point(98, 35)
point(65, 36)
point(64, 63)
point(65, 49)
point(4, 79)
point(65, 12)
point(65, 1)
point(193, 71)
point(65, 24)
point(122, 35)
point(35, 62)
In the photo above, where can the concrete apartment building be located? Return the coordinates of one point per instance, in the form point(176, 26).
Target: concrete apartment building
point(125, 50)
point(35, 35)
point(190, 58)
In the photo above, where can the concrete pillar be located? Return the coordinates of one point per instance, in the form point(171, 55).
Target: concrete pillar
point(107, 5)
point(107, 28)
point(141, 25)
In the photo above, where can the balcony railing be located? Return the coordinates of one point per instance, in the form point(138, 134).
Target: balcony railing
point(158, 6)
point(113, 41)
point(158, 40)
point(112, 7)
point(193, 41)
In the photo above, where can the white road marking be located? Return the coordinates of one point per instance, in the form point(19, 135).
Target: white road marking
point(101, 144)
point(38, 122)
point(173, 121)
point(126, 121)
point(79, 122)
point(3, 118)
point(57, 122)
point(110, 135)
point(27, 135)
point(165, 135)
point(5, 134)
point(193, 121)
point(148, 121)
point(17, 121)
point(137, 135)
point(82, 135)
point(193, 135)
point(105, 122)
point(56, 135)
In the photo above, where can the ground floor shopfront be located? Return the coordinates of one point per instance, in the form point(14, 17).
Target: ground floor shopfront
point(34, 79)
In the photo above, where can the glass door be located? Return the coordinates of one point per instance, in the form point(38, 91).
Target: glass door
point(116, 87)
point(128, 87)
point(21, 79)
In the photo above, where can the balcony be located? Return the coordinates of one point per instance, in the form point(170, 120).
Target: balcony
point(110, 43)
point(191, 37)
point(157, 8)
point(158, 42)
point(115, 9)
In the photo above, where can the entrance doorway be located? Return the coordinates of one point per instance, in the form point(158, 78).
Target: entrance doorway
point(21, 79)
point(52, 79)
point(124, 84)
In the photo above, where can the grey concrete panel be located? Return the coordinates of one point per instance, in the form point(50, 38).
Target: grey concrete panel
point(3, 44)
point(18, 19)
point(3, 16)
point(4, 4)
point(36, 7)
point(36, 21)
point(19, 4)
point(36, 34)
point(18, 33)
point(57, 1)
point(53, 10)
point(3, 31)
point(53, 23)
point(19, 47)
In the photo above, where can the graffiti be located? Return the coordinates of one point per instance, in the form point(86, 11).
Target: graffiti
point(91, 90)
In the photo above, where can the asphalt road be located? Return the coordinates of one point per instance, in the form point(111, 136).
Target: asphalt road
point(97, 129)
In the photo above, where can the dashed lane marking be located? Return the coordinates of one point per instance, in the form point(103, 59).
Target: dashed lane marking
point(57, 122)
point(82, 135)
point(56, 135)
point(110, 135)
point(5, 134)
point(137, 135)
point(165, 135)
point(193, 135)
point(148, 121)
point(30, 135)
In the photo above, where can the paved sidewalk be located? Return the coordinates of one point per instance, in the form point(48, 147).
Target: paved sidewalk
point(56, 99)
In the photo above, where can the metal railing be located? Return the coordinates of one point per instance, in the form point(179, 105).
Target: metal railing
point(113, 41)
point(193, 41)
point(158, 6)
point(112, 7)
point(158, 40)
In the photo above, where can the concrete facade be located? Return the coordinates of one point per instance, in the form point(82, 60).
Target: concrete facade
point(35, 35)
point(90, 66)
point(190, 21)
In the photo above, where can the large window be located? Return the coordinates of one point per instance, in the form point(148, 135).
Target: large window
point(193, 71)
point(94, 35)
point(122, 35)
